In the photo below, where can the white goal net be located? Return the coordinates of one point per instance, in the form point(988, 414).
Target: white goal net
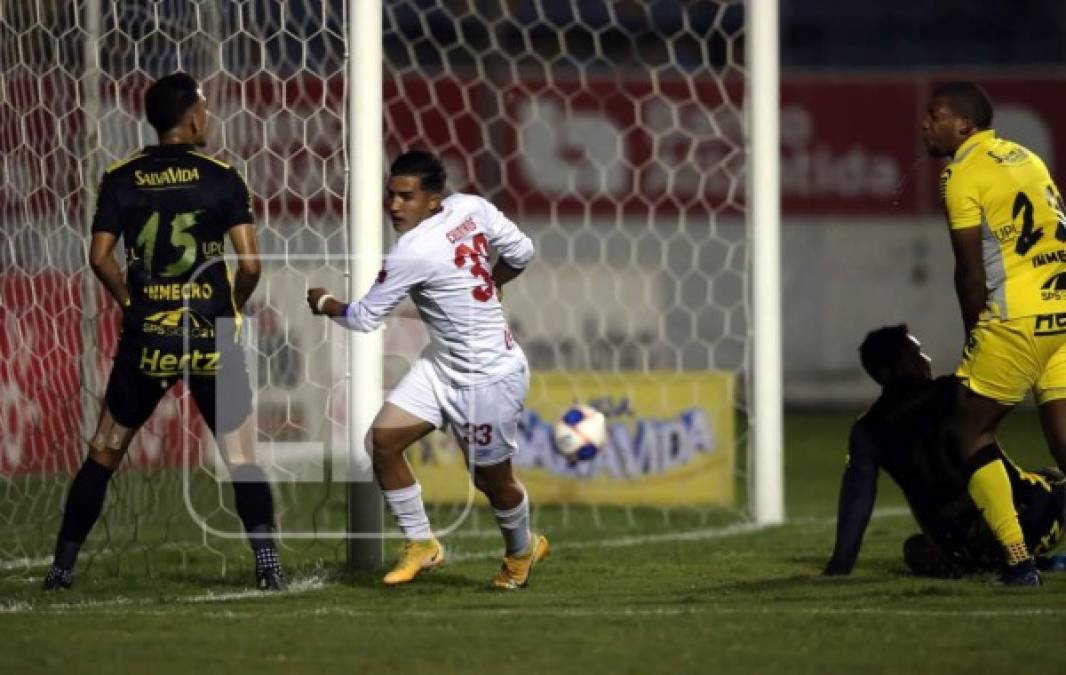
point(614, 133)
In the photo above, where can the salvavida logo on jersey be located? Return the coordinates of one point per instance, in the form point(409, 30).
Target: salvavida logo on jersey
point(172, 176)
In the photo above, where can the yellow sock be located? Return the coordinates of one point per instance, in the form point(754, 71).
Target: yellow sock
point(990, 489)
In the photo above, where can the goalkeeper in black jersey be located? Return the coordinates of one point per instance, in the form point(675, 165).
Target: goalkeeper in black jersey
point(173, 208)
point(906, 433)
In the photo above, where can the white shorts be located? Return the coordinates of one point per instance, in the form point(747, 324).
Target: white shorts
point(484, 417)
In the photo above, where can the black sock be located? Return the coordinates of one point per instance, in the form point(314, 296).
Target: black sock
point(255, 505)
point(85, 500)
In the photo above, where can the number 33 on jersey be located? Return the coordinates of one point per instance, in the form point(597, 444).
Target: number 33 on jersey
point(444, 264)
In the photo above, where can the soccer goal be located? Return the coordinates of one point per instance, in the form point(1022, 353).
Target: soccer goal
point(635, 142)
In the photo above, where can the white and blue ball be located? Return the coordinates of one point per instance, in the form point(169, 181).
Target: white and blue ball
point(580, 433)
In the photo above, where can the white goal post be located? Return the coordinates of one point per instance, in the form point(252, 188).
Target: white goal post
point(764, 204)
point(764, 372)
point(366, 153)
point(765, 387)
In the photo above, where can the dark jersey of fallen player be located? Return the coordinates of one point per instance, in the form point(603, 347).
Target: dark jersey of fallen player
point(173, 206)
point(905, 433)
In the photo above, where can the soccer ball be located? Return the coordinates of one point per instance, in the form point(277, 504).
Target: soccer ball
point(580, 433)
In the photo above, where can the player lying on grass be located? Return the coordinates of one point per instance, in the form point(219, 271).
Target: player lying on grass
point(906, 433)
point(173, 208)
point(473, 376)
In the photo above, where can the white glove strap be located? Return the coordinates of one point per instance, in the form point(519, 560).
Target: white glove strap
point(322, 302)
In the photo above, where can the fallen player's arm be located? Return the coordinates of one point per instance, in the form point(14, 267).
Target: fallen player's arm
point(858, 492)
point(106, 268)
point(969, 274)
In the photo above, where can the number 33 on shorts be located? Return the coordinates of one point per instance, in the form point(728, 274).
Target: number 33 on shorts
point(477, 434)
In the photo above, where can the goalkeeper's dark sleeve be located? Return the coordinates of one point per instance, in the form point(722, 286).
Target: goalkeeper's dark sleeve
point(858, 492)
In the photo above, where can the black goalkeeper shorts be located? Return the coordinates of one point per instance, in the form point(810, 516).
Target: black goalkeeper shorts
point(217, 380)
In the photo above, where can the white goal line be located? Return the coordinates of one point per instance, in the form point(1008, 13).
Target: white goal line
point(126, 607)
point(317, 582)
point(617, 542)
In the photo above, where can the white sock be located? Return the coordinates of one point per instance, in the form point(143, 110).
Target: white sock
point(409, 511)
point(514, 525)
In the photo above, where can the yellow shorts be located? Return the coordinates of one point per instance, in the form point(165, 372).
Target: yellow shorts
point(1004, 359)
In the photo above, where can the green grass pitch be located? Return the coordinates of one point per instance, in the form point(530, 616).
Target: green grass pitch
point(622, 593)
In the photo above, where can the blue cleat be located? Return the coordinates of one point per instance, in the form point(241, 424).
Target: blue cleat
point(1022, 574)
point(1052, 563)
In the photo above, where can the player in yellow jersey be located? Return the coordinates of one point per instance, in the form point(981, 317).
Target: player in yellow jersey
point(1008, 233)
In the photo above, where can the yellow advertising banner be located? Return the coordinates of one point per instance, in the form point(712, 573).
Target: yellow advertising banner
point(670, 442)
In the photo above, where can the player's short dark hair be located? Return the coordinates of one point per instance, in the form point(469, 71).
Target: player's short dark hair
point(881, 350)
point(425, 165)
point(168, 99)
point(967, 99)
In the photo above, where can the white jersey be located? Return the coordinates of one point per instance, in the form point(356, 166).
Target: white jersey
point(443, 263)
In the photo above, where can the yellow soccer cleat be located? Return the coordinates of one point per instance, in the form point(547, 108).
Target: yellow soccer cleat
point(515, 571)
point(416, 557)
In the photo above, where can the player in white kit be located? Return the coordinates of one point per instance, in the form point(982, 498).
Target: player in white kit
point(472, 377)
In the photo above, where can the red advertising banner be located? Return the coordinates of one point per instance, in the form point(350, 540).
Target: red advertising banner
point(603, 144)
point(851, 144)
point(39, 383)
point(42, 383)
point(852, 147)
